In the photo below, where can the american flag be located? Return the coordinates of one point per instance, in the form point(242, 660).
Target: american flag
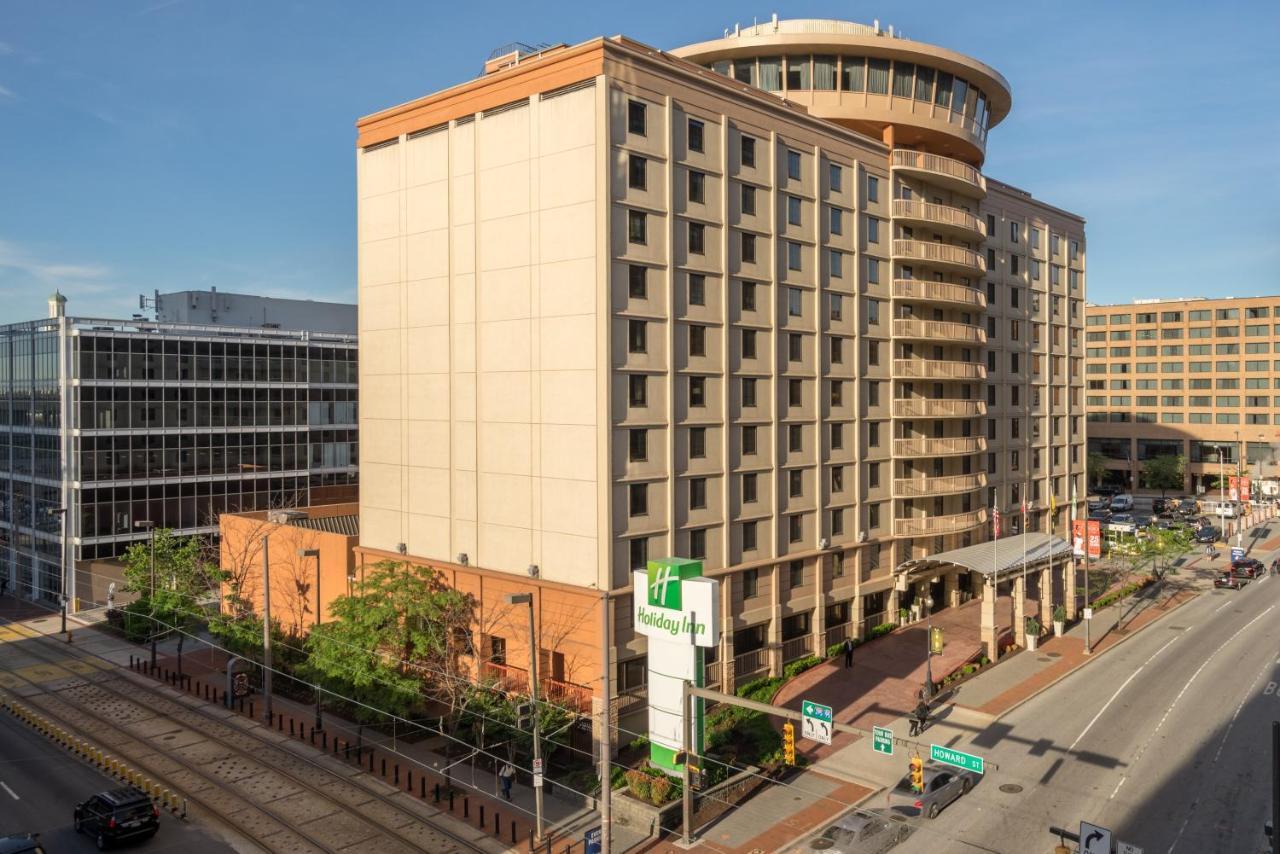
point(995, 523)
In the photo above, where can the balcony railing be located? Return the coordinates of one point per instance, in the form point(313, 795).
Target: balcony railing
point(917, 487)
point(945, 447)
point(942, 216)
point(938, 369)
point(940, 255)
point(939, 330)
point(749, 664)
point(922, 407)
point(923, 526)
point(953, 173)
point(516, 681)
point(796, 648)
point(929, 291)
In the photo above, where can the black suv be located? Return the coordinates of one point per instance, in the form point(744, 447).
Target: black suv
point(117, 815)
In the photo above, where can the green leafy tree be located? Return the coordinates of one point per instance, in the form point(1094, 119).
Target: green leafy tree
point(173, 579)
point(395, 639)
point(1165, 472)
point(1095, 467)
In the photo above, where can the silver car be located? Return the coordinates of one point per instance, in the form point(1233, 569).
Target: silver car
point(942, 785)
point(862, 832)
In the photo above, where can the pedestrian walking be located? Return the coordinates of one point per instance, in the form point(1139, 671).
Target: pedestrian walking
point(848, 653)
point(920, 717)
point(507, 775)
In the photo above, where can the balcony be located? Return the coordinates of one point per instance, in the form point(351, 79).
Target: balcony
point(939, 330)
point(942, 171)
point(926, 487)
point(922, 407)
point(942, 218)
point(924, 290)
point(929, 526)
point(943, 256)
point(938, 369)
point(947, 447)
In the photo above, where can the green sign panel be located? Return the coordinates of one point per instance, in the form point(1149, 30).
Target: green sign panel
point(815, 720)
point(664, 578)
point(947, 756)
point(882, 740)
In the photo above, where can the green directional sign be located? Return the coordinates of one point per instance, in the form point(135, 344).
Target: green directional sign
point(947, 756)
point(815, 721)
point(882, 740)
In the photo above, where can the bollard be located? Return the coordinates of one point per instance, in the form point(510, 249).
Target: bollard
point(346, 750)
point(324, 741)
point(395, 773)
point(437, 792)
point(384, 767)
point(422, 788)
point(513, 831)
point(313, 736)
point(466, 805)
point(408, 784)
point(482, 816)
point(291, 727)
point(497, 823)
point(250, 707)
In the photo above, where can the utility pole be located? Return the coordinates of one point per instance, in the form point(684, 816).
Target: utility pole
point(61, 513)
point(315, 553)
point(527, 599)
point(606, 739)
point(266, 632)
point(686, 743)
point(150, 528)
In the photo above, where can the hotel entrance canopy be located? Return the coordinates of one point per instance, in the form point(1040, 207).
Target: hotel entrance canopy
point(997, 560)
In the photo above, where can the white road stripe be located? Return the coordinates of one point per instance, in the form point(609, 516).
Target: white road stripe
point(11, 792)
point(1117, 788)
point(1240, 706)
point(1132, 676)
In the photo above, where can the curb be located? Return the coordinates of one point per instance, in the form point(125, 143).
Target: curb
point(117, 768)
point(1094, 656)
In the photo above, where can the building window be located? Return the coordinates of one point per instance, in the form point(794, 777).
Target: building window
point(873, 230)
point(873, 394)
point(748, 151)
point(795, 392)
point(638, 285)
point(748, 343)
point(793, 165)
point(873, 271)
point(697, 238)
point(837, 351)
point(635, 118)
point(637, 172)
point(873, 519)
point(795, 438)
point(837, 436)
point(637, 336)
point(697, 186)
point(991, 225)
point(636, 389)
point(749, 488)
point(835, 176)
point(795, 346)
point(873, 312)
point(793, 211)
point(835, 306)
point(697, 340)
point(795, 573)
point(748, 248)
point(837, 478)
point(793, 255)
point(638, 442)
point(837, 393)
point(873, 352)
point(795, 483)
point(697, 493)
point(749, 441)
point(750, 577)
point(697, 443)
point(795, 305)
point(636, 227)
point(748, 290)
point(873, 189)
point(697, 391)
point(748, 392)
point(697, 289)
point(873, 475)
point(695, 135)
point(795, 528)
point(638, 499)
point(639, 548)
point(749, 540)
point(748, 200)
point(1013, 232)
point(873, 434)
point(837, 528)
point(836, 218)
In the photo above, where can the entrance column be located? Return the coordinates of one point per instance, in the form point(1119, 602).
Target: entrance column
point(727, 683)
point(856, 616)
point(951, 588)
point(1069, 587)
point(1019, 611)
point(1046, 597)
point(989, 636)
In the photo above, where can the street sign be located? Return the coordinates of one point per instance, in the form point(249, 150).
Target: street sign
point(882, 740)
point(592, 841)
point(967, 761)
point(537, 773)
point(1237, 552)
point(1088, 613)
point(1094, 839)
point(1127, 848)
point(815, 722)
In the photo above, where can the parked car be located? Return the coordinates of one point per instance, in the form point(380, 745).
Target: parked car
point(1227, 509)
point(1159, 505)
point(1229, 579)
point(1107, 489)
point(1122, 503)
point(1102, 516)
point(863, 832)
point(1143, 520)
point(942, 785)
point(116, 815)
point(1207, 534)
point(1098, 502)
point(1170, 522)
point(1122, 523)
point(1248, 567)
point(1187, 506)
point(21, 843)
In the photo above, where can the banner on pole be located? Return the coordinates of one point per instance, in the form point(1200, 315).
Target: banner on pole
point(1095, 538)
point(1077, 537)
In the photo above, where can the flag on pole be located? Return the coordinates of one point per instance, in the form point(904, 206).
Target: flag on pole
point(995, 522)
point(1053, 503)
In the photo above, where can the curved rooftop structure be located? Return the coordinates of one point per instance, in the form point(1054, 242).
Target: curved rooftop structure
point(908, 93)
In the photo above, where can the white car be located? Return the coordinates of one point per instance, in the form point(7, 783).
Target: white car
point(1123, 523)
point(1122, 503)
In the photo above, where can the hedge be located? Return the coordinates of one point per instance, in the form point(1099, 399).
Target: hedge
point(800, 665)
point(1124, 592)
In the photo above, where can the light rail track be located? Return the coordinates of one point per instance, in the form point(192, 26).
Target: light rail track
point(282, 799)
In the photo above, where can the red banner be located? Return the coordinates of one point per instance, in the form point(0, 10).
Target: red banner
point(1233, 488)
point(1245, 487)
point(1095, 538)
point(1077, 537)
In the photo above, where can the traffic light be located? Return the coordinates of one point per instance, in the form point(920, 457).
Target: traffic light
point(524, 716)
point(789, 743)
point(917, 774)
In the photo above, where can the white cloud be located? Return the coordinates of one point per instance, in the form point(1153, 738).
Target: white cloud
point(6, 92)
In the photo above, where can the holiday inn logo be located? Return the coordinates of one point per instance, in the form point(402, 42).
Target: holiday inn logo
point(664, 577)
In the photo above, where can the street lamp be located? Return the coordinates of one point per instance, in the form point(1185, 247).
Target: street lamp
point(61, 512)
point(315, 553)
point(150, 528)
point(527, 599)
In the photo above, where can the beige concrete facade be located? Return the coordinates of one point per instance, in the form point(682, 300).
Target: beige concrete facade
point(641, 309)
point(1185, 377)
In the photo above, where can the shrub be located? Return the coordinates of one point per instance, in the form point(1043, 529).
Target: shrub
point(638, 783)
point(882, 630)
point(640, 743)
point(760, 689)
point(617, 777)
point(1059, 614)
point(800, 665)
point(660, 789)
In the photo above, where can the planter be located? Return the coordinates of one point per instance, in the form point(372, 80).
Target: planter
point(1032, 642)
point(1058, 627)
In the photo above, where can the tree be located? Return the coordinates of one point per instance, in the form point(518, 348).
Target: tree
point(1167, 471)
point(1095, 467)
point(173, 580)
point(395, 638)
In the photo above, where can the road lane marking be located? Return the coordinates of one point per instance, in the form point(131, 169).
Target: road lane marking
point(1240, 706)
point(1118, 785)
point(11, 792)
point(1125, 684)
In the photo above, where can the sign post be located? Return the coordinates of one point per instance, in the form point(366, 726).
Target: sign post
point(815, 722)
point(537, 773)
point(965, 761)
point(882, 740)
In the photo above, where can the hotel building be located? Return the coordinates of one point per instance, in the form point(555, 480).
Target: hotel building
point(1197, 378)
point(751, 301)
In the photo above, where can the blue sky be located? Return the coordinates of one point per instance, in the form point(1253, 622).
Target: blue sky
point(187, 143)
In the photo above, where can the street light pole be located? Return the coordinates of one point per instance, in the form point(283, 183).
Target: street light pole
point(266, 632)
point(61, 512)
point(315, 553)
point(527, 599)
point(150, 528)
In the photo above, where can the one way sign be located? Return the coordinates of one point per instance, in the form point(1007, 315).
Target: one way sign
point(1094, 839)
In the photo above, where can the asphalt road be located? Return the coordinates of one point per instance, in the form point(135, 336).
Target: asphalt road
point(40, 784)
point(1166, 740)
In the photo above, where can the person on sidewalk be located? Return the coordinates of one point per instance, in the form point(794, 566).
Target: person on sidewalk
point(507, 775)
point(920, 717)
point(848, 653)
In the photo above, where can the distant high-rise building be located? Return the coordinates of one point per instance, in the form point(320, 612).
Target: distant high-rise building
point(137, 423)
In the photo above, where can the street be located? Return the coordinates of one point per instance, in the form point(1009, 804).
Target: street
point(1166, 741)
point(41, 783)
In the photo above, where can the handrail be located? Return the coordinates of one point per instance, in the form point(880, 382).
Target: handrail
point(933, 408)
point(929, 525)
point(940, 165)
point(941, 214)
point(925, 447)
point(910, 487)
point(924, 289)
point(911, 327)
point(938, 369)
point(939, 253)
